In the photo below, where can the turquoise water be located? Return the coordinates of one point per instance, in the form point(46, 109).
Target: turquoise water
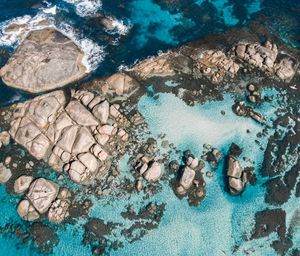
point(220, 222)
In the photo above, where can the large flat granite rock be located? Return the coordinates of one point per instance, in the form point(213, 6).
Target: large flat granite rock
point(45, 60)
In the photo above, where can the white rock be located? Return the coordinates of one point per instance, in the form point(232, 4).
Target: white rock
point(22, 184)
point(153, 173)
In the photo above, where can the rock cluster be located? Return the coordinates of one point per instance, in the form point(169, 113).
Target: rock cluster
point(238, 177)
point(42, 196)
point(75, 136)
point(211, 155)
point(267, 58)
point(150, 170)
point(45, 60)
point(241, 109)
point(159, 67)
point(188, 175)
point(215, 65)
point(254, 96)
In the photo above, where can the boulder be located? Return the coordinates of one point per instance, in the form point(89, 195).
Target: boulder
point(120, 84)
point(42, 193)
point(234, 168)
point(4, 138)
point(187, 178)
point(153, 173)
point(80, 114)
point(101, 112)
point(155, 67)
point(5, 173)
point(27, 211)
point(235, 186)
point(22, 184)
point(286, 68)
point(46, 59)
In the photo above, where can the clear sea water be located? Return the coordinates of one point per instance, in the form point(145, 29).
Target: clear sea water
point(144, 28)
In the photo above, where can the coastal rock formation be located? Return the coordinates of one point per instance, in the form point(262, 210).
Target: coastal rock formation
point(267, 58)
point(5, 173)
point(4, 138)
point(215, 65)
point(27, 211)
point(45, 60)
point(22, 184)
point(238, 178)
point(153, 173)
point(74, 135)
point(59, 208)
point(186, 180)
point(119, 84)
point(43, 196)
point(42, 193)
point(159, 66)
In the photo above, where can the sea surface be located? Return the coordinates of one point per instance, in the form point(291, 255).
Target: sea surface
point(144, 28)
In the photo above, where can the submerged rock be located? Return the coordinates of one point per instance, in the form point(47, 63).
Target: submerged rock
point(45, 60)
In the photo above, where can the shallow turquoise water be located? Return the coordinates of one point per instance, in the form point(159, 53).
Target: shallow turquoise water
point(221, 221)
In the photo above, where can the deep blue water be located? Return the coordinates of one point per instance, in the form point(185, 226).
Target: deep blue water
point(155, 26)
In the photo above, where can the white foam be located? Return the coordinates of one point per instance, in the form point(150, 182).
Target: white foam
point(26, 24)
point(119, 27)
point(51, 10)
point(93, 53)
point(86, 7)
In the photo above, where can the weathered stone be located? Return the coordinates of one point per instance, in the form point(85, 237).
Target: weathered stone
point(236, 186)
point(159, 66)
point(120, 84)
point(5, 173)
point(234, 168)
point(22, 184)
point(187, 178)
point(4, 138)
point(89, 161)
point(80, 114)
point(83, 142)
point(58, 211)
point(46, 60)
point(27, 211)
point(286, 69)
point(42, 193)
point(101, 112)
point(153, 173)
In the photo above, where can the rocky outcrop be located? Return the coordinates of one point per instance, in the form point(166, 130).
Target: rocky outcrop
point(150, 170)
point(22, 184)
point(5, 173)
point(159, 67)
point(42, 193)
point(59, 208)
point(215, 65)
point(267, 58)
point(119, 84)
point(44, 196)
point(45, 60)
point(74, 135)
